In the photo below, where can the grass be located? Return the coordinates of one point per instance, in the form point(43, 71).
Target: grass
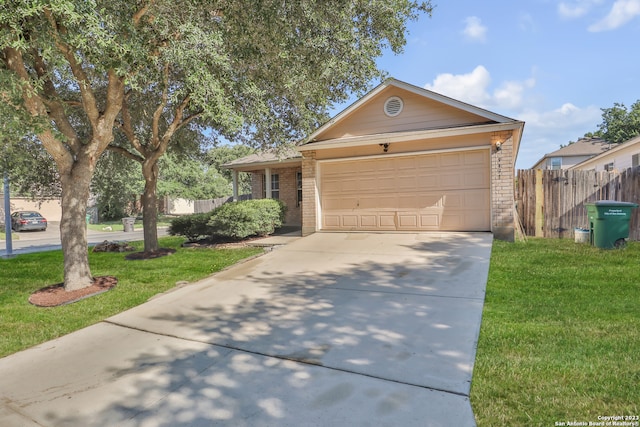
point(23, 325)
point(560, 336)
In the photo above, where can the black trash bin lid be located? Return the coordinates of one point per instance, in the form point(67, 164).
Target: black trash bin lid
point(615, 203)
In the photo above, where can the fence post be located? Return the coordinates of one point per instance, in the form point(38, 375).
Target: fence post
point(539, 204)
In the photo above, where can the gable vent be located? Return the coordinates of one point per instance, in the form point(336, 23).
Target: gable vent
point(393, 106)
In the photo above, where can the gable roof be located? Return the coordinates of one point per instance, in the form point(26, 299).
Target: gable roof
point(486, 117)
point(582, 147)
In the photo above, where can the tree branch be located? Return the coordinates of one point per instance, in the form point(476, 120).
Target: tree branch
point(55, 108)
point(143, 11)
point(155, 127)
point(86, 92)
point(127, 128)
point(126, 153)
point(35, 106)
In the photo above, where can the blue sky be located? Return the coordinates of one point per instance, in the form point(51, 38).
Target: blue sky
point(553, 64)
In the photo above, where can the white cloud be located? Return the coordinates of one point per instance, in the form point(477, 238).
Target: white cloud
point(576, 8)
point(545, 131)
point(474, 30)
point(572, 11)
point(510, 95)
point(473, 88)
point(621, 12)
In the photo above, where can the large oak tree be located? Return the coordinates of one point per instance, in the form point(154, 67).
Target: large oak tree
point(259, 71)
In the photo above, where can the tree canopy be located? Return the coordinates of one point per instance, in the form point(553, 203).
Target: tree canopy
point(619, 123)
point(77, 72)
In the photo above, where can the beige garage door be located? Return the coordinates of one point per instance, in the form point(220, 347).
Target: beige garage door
point(445, 191)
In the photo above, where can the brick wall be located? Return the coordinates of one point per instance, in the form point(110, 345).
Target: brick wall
point(502, 186)
point(288, 191)
point(309, 186)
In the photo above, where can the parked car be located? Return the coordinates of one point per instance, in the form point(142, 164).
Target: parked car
point(28, 220)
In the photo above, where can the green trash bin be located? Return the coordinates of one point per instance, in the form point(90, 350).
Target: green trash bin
point(609, 223)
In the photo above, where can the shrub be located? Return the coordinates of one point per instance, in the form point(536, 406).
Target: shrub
point(191, 226)
point(248, 218)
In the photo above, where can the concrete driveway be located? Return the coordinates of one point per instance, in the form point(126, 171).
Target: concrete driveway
point(334, 329)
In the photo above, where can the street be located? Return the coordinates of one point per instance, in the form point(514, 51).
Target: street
point(38, 241)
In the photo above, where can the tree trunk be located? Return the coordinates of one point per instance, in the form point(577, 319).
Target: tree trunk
point(73, 230)
point(150, 205)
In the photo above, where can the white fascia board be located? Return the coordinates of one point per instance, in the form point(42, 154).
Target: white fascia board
point(358, 141)
point(259, 165)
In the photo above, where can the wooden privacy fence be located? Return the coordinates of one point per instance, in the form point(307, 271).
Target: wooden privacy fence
point(551, 203)
point(204, 206)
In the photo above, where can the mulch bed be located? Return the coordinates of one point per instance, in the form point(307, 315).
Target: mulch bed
point(55, 295)
point(220, 242)
point(150, 254)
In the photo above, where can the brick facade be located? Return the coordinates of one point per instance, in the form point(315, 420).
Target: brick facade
point(309, 192)
point(288, 191)
point(502, 186)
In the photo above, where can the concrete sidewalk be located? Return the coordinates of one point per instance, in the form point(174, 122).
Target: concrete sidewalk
point(334, 329)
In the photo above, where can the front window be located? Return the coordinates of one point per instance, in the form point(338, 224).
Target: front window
point(556, 163)
point(275, 186)
point(608, 167)
point(635, 160)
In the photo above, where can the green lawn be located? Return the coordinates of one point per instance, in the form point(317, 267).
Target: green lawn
point(23, 325)
point(560, 336)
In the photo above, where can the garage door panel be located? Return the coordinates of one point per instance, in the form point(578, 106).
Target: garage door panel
point(452, 200)
point(427, 162)
point(451, 180)
point(368, 221)
point(428, 182)
point(475, 158)
point(350, 221)
point(406, 181)
point(452, 160)
point(408, 220)
point(476, 179)
point(387, 221)
point(444, 191)
point(331, 221)
point(404, 164)
point(430, 221)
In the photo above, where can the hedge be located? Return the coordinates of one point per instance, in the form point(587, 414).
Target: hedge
point(191, 226)
point(239, 220)
point(235, 220)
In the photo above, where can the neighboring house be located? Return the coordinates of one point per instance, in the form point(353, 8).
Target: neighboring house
point(620, 157)
point(401, 158)
point(569, 156)
point(50, 209)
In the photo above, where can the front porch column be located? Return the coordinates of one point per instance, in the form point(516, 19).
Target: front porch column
point(267, 182)
point(234, 175)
